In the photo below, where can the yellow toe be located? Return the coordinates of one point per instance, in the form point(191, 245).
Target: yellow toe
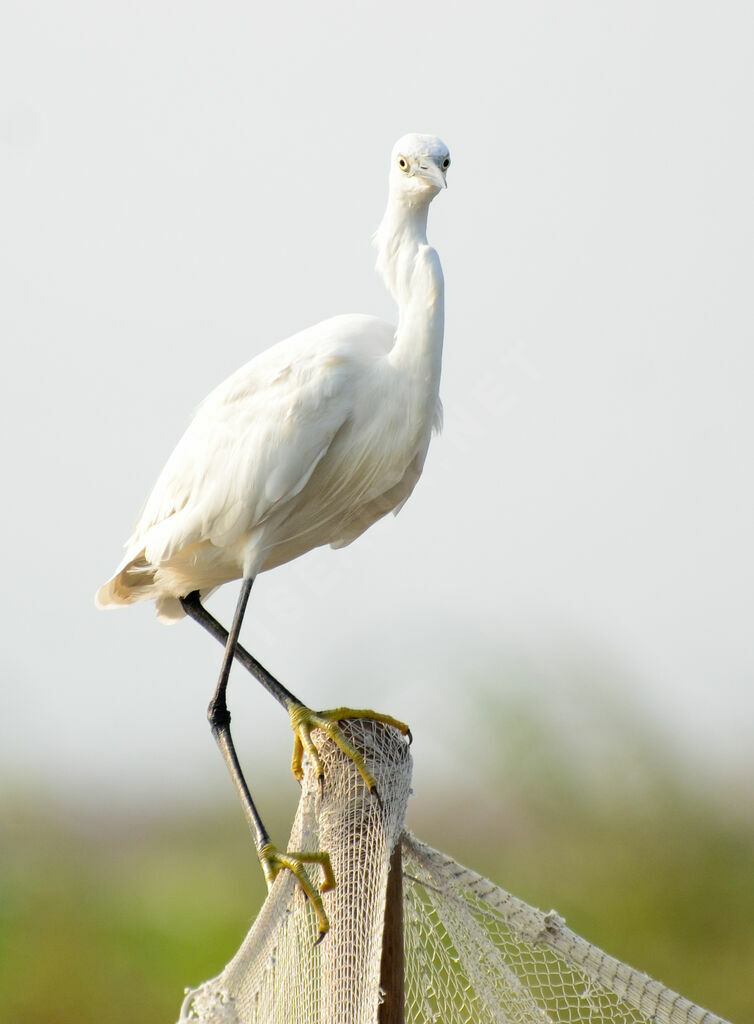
point(273, 861)
point(304, 721)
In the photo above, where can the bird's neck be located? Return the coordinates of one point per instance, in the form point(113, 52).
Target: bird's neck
point(412, 273)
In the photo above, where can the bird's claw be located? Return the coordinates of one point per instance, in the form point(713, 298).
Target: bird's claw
point(304, 721)
point(273, 861)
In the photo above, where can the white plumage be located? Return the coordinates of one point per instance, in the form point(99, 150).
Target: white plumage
point(308, 444)
point(313, 440)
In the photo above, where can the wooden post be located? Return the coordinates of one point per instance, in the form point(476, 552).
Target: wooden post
point(392, 983)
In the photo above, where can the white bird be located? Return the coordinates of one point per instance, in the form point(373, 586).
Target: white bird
point(308, 444)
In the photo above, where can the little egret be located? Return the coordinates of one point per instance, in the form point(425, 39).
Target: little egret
point(310, 443)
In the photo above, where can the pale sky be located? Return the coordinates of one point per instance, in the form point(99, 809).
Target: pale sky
point(185, 183)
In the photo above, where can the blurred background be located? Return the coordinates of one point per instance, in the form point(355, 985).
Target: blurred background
point(562, 611)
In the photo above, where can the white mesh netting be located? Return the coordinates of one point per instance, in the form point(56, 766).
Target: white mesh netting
point(473, 952)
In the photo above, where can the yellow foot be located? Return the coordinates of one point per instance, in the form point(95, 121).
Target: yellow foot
point(273, 861)
point(303, 720)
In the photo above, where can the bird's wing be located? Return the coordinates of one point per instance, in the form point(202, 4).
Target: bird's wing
point(256, 440)
point(391, 500)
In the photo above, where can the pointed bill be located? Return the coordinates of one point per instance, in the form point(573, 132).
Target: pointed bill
point(432, 173)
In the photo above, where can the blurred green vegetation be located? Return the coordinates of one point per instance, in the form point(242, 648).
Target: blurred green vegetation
point(108, 918)
point(586, 808)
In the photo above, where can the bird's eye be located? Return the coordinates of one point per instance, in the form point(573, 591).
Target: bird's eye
point(446, 163)
point(403, 163)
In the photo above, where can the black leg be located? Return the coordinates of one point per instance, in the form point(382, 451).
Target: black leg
point(219, 720)
point(194, 608)
point(303, 719)
point(271, 859)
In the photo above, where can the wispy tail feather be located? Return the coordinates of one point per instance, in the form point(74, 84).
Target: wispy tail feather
point(132, 581)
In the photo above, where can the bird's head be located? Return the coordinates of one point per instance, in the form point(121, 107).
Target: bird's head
point(418, 165)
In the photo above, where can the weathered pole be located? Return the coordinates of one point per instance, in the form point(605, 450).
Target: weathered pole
point(392, 981)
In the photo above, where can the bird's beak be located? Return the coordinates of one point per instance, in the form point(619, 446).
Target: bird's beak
point(431, 173)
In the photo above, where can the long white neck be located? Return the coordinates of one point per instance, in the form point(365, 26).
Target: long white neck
point(412, 273)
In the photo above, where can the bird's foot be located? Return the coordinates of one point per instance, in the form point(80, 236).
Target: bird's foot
point(273, 861)
point(304, 720)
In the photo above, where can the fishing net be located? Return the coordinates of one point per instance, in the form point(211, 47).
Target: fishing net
point(470, 951)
